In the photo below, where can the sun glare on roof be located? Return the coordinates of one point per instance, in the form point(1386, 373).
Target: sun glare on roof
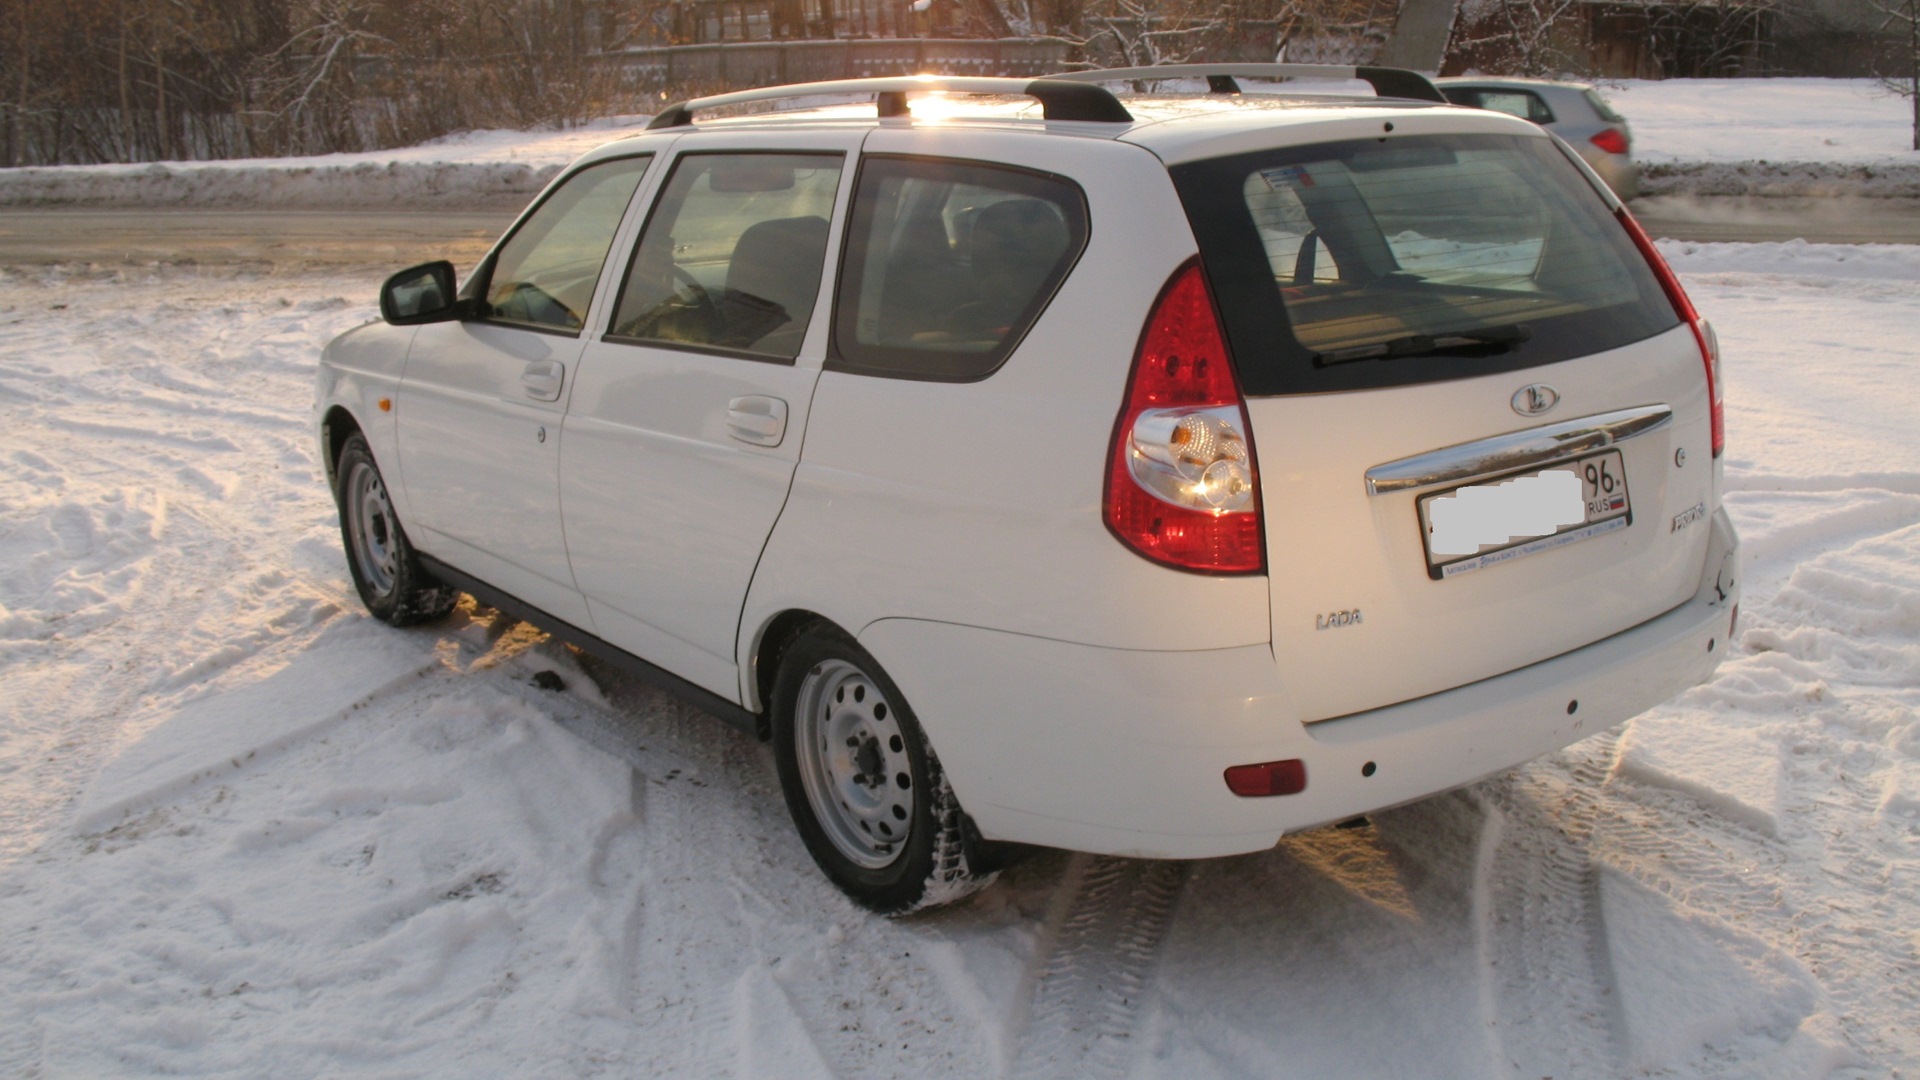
point(939, 107)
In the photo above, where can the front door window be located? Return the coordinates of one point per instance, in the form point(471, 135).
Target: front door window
point(544, 274)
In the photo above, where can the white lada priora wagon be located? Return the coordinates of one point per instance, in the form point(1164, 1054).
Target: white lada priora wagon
point(1144, 475)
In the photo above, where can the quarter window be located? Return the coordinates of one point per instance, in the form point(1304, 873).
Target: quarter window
point(731, 258)
point(545, 273)
point(948, 263)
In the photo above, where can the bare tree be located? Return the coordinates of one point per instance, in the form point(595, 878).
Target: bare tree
point(1146, 33)
point(1901, 26)
point(1520, 37)
point(1333, 31)
point(304, 91)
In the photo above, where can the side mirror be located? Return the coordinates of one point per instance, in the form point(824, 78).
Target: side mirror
point(421, 294)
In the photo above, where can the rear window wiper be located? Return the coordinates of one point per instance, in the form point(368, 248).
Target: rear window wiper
point(1483, 341)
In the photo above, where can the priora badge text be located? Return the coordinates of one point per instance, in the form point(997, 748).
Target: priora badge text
point(1688, 516)
point(1337, 618)
point(1534, 399)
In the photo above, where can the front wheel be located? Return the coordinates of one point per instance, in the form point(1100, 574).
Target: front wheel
point(864, 788)
point(388, 576)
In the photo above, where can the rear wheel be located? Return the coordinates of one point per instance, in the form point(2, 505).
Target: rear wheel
point(865, 790)
point(385, 570)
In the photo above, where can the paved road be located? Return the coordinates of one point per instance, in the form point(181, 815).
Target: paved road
point(293, 240)
point(1820, 221)
point(269, 240)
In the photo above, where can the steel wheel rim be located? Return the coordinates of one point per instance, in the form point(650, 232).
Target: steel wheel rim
point(374, 529)
point(853, 763)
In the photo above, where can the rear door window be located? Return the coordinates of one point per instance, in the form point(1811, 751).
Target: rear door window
point(731, 257)
point(948, 263)
point(1383, 262)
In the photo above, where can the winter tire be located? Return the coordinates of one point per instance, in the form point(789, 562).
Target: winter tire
point(863, 785)
point(388, 576)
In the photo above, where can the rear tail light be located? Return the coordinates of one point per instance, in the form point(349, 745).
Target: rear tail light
point(1181, 485)
point(1702, 330)
point(1612, 140)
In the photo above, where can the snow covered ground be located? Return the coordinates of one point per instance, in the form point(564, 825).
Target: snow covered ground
point(1848, 121)
point(1697, 136)
point(245, 831)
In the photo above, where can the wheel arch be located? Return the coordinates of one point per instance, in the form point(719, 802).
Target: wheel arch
point(336, 428)
point(770, 647)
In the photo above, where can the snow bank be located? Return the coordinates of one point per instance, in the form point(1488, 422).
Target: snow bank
point(1689, 986)
point(1782, 178)
point(481, 169)
point(1693, 136)
point(470, 185)
point(1733, 768)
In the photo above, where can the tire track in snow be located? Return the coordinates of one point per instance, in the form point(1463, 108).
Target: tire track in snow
point(1103, 937)
point(1552, 997)
point(1549, 1002)
point(20, 1053)
point(169, 558)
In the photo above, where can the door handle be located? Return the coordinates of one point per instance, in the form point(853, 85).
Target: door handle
point(542, 379)
point(761, 421)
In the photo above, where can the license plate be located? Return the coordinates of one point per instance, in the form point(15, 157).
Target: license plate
point(1480, 525)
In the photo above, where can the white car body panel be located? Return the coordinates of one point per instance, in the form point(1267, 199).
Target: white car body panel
point(1122, 753)
point(901, 508)
point(357, 370)
point(1332, 547)
point(480, 459)
point(666, 511)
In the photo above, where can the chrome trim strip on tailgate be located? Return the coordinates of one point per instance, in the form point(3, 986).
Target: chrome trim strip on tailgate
point(1516, 450)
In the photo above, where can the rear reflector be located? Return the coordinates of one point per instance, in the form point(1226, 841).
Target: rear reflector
point(1610, 140)
point(1287, 777)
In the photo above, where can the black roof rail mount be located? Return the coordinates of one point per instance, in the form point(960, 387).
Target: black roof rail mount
point(1387, 82)
point(1059, 99)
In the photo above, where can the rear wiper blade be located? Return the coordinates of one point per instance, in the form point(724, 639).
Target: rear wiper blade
point(1487, 339)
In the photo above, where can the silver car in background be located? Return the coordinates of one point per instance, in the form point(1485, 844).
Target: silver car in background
point(1574, 111)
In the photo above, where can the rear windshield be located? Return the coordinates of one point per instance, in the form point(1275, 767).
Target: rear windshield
point(1385, 262)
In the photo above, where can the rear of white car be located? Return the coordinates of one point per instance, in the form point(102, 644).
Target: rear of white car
point(1371, 319)
point(1151, 479)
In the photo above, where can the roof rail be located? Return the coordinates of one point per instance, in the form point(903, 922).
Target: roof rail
point(1387, 82)
point(1059, 100)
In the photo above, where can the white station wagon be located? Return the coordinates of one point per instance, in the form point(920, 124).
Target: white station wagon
point(1151, 475)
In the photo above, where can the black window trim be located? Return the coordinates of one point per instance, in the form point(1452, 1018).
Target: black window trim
point(1268, 360)
point(481, 279)
point(640, 237)
point(836, 359)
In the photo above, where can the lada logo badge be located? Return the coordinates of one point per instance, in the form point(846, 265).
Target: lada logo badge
point(1534, 399)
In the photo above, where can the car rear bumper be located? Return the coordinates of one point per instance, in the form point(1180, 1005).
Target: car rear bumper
point(1620, 171)
point(1123, 752)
